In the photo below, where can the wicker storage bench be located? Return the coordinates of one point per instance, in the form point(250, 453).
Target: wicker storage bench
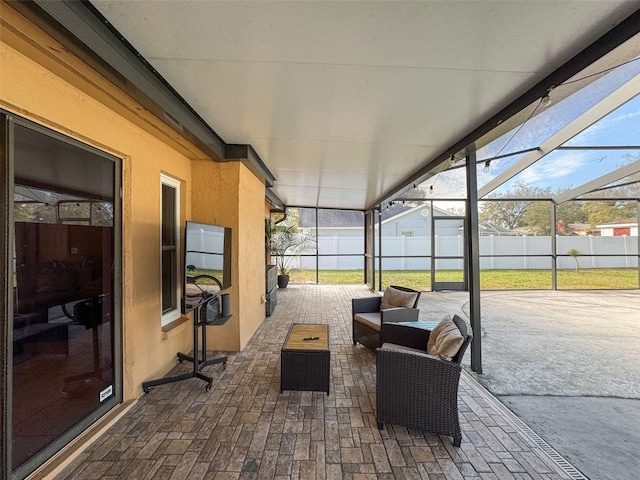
point(304, 364)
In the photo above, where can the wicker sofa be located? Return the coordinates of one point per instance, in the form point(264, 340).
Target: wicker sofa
point(398, 304)
point(415, 389)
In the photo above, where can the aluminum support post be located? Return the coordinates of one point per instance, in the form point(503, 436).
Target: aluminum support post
point(473, 258)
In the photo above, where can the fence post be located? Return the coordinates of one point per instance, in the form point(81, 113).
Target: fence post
point(554, 248)
point(626, 251)
point(492, 249)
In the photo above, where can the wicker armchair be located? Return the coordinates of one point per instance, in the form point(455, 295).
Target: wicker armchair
point(417, 390)
point(367, 317)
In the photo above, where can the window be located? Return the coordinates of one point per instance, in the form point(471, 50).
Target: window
point(170, 238)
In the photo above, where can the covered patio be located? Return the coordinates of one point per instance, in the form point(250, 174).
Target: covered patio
point(230, 113)
point(245, 428)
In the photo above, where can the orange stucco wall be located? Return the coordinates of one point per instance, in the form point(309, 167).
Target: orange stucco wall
point(43, 82)
point(251, 243)
point(229, 194)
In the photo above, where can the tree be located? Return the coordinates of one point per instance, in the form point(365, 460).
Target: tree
point(537, 217)
point(34, 212)
point(575, 253)
point(536, 214)
point(510, 212)
point(605, 211)
point(506, 214)
point(286, 242)
point(571, 212)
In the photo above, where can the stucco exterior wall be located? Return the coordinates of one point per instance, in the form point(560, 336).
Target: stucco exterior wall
point(229, 194)
point(251, 261)
point(607, 231)
point(41, 81)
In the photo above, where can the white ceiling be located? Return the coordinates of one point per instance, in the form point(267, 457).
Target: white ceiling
point(343, 101)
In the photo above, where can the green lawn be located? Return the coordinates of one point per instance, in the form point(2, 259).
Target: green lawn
point(601, 278)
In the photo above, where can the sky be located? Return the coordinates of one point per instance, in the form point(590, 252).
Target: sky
point(562, 169)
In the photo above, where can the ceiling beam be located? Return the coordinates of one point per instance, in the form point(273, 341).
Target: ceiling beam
point(601, 109)
point(274, 200)
point(246, 154)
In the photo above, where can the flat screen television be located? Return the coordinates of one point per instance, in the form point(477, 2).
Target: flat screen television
point(207, 263)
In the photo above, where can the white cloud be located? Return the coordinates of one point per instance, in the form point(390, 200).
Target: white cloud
point(549, 171)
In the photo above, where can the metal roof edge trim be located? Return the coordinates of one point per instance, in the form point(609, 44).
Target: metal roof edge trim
point(86, 24)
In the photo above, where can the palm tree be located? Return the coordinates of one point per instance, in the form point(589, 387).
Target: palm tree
point(285, 242)
point(574, 253)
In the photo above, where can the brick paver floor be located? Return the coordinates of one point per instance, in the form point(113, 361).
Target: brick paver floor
point(245, 428)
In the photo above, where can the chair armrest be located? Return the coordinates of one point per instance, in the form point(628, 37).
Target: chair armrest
point(399, 314)
point(418, 369)
point(404, 335)
point(365, 305)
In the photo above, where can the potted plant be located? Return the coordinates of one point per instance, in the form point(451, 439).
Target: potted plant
point(285, 242)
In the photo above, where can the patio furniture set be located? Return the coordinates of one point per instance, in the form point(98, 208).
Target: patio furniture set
point(418, 363)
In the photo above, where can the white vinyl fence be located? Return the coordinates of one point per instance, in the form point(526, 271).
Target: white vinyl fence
point(510, 253)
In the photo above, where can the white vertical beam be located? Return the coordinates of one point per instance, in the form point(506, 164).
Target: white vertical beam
point(601, 109)
point(617, 174)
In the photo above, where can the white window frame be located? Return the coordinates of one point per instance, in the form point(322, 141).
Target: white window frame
point(173, 314)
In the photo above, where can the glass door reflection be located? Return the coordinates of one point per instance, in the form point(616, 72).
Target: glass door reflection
point(63, 329)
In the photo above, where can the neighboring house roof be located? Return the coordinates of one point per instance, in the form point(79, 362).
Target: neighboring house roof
point(524, 231)
point(436, 211)
point(353, 218)
point(626, 222)
point(334, 218)
point(487, 229)
point(580, 227)
point(395, 210)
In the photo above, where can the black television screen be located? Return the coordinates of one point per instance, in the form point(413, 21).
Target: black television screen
point(207, 263)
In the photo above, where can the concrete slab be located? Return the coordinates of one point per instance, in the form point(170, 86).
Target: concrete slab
point(599, 436)
point(567, 363)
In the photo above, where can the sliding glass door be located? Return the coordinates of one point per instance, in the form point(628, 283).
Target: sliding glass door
point(65, 333)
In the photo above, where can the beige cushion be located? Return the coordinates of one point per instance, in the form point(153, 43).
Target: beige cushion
point(370, 319)
point(401, 348)
point(397, 298)
point(445, 339)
